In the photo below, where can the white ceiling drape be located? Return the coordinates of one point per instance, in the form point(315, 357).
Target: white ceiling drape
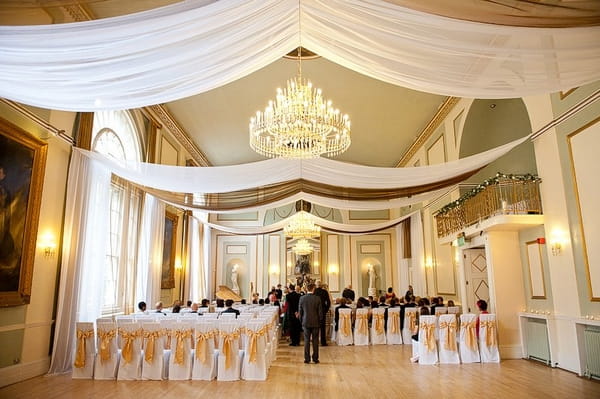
point(190, 47)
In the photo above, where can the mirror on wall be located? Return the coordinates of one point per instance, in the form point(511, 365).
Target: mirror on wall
point(303, 267)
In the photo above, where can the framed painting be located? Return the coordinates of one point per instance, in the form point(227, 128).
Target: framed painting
point(22, 165)
point(168, 261)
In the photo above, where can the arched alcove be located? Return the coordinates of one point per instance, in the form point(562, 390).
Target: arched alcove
point(491, 123)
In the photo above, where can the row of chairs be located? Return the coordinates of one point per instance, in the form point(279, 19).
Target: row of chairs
point(204, 348)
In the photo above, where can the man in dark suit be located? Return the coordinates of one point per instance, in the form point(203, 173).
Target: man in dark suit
point(292, 299)
point(326, 304)
point(348, 293)
point(311, 312)
point(229, 309)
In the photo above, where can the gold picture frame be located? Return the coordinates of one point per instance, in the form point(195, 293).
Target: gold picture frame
point(22, 165)
point(170, 242)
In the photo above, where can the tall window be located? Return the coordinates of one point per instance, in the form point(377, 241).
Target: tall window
point(114, 135)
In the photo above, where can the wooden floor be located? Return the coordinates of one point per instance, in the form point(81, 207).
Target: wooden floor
point(350, 372)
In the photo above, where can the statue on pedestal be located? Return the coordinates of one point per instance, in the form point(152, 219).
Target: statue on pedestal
point(234, 279)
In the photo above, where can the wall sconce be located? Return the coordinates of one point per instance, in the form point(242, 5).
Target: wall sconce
point(333, 269)
point(557, 242)
point(178, 265)
point(48, 245)
point(429, 263)
point(274, 269)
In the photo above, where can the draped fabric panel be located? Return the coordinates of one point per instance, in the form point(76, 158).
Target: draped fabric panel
point(418, 254)
point(196, 260)
point(83, 261)
point(191, 47)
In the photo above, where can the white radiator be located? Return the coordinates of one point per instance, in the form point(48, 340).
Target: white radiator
point(592, 352)
point(537, 340)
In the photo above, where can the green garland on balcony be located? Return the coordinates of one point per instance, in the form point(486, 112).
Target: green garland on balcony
point(489, 182)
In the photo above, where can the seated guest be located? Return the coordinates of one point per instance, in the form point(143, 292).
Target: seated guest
point(220, 303)
point(142, 307)
point(229, 309)
point(159, 307)
point(435, 304)
point(383, 301)
point(482, 307)
point(204, 303)
point(348, 293)
point(389, 294)
point(176, 309)
point(243, 302)
point(255, 298)
point(261, 302)
point(451, 303)
point(194, 308)
point(343, 305)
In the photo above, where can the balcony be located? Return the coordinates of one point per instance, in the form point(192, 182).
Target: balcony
point(500, 195)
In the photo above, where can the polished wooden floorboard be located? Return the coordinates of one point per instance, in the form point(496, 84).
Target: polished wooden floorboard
point(350, 372)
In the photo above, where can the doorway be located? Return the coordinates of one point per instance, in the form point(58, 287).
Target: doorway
point(476, 278)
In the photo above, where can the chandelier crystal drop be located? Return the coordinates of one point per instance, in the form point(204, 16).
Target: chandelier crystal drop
point(301, 225)
point(302, 247)
point(299, 124)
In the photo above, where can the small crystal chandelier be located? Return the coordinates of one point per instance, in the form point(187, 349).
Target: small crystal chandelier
point(301, 225)
point(302, 247)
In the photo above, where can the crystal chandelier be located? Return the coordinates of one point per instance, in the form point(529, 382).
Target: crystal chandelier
point(302, 247)
point(301, 225)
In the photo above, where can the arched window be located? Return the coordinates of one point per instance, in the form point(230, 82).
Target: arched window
point(114, 134)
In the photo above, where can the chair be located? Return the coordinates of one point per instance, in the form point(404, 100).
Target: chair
point(378, 327)
point(361, 327)
point(130, 342)
point(394, 335)
point(205, 355)
point(447, 343)
point(180, 361)
point(488, 340)
point(254, 364)
point(469, 352)
point(230, 357)
point(154, 364)
point(453, 309)
point(410, 324)
point(85, 351)
point(107, 359)
point(440, 310)
point(344, 334)
point(227, 315)
point(427, 346)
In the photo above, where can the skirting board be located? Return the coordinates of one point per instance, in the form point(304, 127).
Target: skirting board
point(21, 372)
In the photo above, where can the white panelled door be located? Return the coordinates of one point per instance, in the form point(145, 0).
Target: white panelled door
point(476, 276)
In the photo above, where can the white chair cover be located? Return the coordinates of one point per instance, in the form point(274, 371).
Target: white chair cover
point(344, 333)
point(469, 351)
point(210, 315)
point(130, 344)
point(454, 309)
point(378, 326)
point(488, 338)
point(254, 365)
point(361, 327)
point(205, 355)
point(410, 325)
point(227, 315)
point(427, 346)
point(107, 359)
point(230, 357)
point(124, 319)
point(180, 360)
point(448, 328)
point(440, 310)
point(155, 359)
point(85, 351)
point(394, 335)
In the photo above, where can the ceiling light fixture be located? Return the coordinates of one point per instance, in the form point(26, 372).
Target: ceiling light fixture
point(300, 123)
point(302, 247)
point(301, 225)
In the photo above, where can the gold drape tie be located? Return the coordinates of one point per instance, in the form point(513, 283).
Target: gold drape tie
point(150, 337)
point(470, 335)
point(252, 342)
point(180, 336)
point(428, 328)
point(362, 321)
point(450, 342)
point(228, 346)
point(490, 332)
point(379, 323)
point(395, 322)
point(345, 325)
point(128, 337)
point(106, 338)
point(412, 321)
point(202, 345)
point(82, 336)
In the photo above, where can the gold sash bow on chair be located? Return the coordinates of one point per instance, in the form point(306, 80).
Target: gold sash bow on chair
point(345, 325)
point(82, 336)
point(429, 342)
point(150, 337)
point(412, 322)
point(490, 332)
point(362, 321)
point(202, 345)
point(450, 342)
point(180, 336)
point(128, 337)
point(395, 322)
point(228, 346)
point(106, 338)
point(379, 323)
point(252, 342)
point(470, 335)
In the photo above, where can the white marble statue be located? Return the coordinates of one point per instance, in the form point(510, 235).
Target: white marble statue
point(234, 279)
point(372, 276)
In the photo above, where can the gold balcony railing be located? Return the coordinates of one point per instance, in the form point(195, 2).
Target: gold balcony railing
point(501, 195)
